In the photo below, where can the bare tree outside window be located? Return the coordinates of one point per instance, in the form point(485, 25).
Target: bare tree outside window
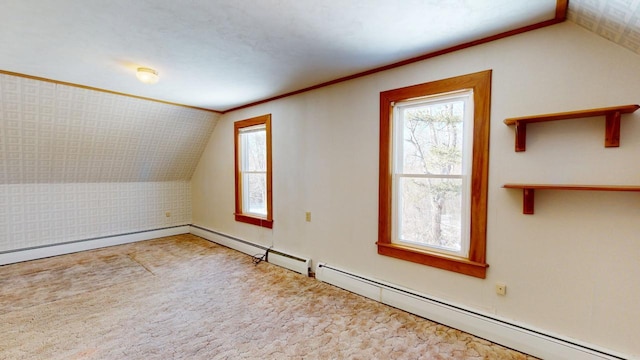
point(433, 183)
point(254, 170)
point(430, 173)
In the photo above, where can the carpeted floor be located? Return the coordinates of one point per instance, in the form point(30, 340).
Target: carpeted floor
point(183, 297)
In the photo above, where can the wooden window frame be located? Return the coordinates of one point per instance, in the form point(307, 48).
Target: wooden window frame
point(239, 214)
point(475, 264)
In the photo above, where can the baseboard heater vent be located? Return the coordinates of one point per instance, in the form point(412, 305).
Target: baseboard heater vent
point(274, 256)
point(490, 327)
point(290, 262)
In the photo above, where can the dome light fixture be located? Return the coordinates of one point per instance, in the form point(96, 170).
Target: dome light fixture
point(147, 75)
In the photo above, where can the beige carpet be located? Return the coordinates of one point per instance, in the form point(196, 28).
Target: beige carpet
point(183, 297)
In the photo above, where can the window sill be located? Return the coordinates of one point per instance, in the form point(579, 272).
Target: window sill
point(441, 261)
point(254, 220)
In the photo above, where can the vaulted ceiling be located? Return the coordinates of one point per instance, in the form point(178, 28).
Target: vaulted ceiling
point(220, 54)
point(223, 54)
point(215, 55)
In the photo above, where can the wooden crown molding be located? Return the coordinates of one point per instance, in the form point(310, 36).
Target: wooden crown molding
point(4, 72)
point(560, 16)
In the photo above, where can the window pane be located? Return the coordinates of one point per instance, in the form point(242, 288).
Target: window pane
point(254, 150)
point(430, 212)
point(255, 193)
point(433, 136)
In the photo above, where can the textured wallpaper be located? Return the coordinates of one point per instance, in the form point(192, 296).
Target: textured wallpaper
point(52, 133)
point(44, 214)
point(616, 20)
point(77, 164)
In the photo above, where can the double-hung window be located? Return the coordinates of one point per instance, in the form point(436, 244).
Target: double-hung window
point(253, 171)
point(433, 173)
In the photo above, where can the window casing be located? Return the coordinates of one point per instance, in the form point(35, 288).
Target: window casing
point(253, 171)
point(434, 147)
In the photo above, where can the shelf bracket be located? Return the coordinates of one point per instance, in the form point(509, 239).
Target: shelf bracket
point(527, 201)
point(612, 129)
point(521, 136)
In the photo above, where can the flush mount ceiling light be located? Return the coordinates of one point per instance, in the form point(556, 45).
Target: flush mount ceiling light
point(147, 75)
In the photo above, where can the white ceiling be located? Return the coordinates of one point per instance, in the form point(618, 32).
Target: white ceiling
point(221, 54)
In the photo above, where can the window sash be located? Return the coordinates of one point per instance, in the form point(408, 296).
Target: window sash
point(399, 220)
point(398, 150)
point(253, 128)
point(246, 147)
point(247, 205)
point(253, 190)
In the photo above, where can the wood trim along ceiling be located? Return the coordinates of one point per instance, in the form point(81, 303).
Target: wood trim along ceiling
point(4, 72)
point(562, 7)
point(561, 15)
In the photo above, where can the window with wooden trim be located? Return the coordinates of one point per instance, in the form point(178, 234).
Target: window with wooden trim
point(253, 171)
point(434, 157)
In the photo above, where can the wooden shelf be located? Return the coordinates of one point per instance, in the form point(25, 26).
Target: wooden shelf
point(528, 191)
point(612, 122)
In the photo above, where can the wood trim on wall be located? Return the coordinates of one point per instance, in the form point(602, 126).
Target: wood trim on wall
point(475, 264)
point(239, 214)
point(560, 16)
point(25, 76)
point(562, 7)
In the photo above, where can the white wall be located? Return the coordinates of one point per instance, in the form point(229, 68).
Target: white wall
point(571, 269)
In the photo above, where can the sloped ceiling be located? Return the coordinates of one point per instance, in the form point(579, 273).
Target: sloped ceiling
point(210, 54)
point(221, 54)
point(615, 20)
point(52, 133)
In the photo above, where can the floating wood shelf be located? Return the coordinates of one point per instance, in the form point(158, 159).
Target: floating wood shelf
point(528, 191)
point(612, 123)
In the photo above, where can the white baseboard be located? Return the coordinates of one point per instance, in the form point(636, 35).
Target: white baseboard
point(276, 257)
point(501, 331)
point(10, 257)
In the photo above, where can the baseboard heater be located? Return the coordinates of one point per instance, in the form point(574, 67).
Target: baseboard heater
point(490, 327)
point(274, 256)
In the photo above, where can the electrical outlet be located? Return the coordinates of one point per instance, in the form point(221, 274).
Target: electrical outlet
point(167, 214)
point(501, 289)
point(307, 216)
